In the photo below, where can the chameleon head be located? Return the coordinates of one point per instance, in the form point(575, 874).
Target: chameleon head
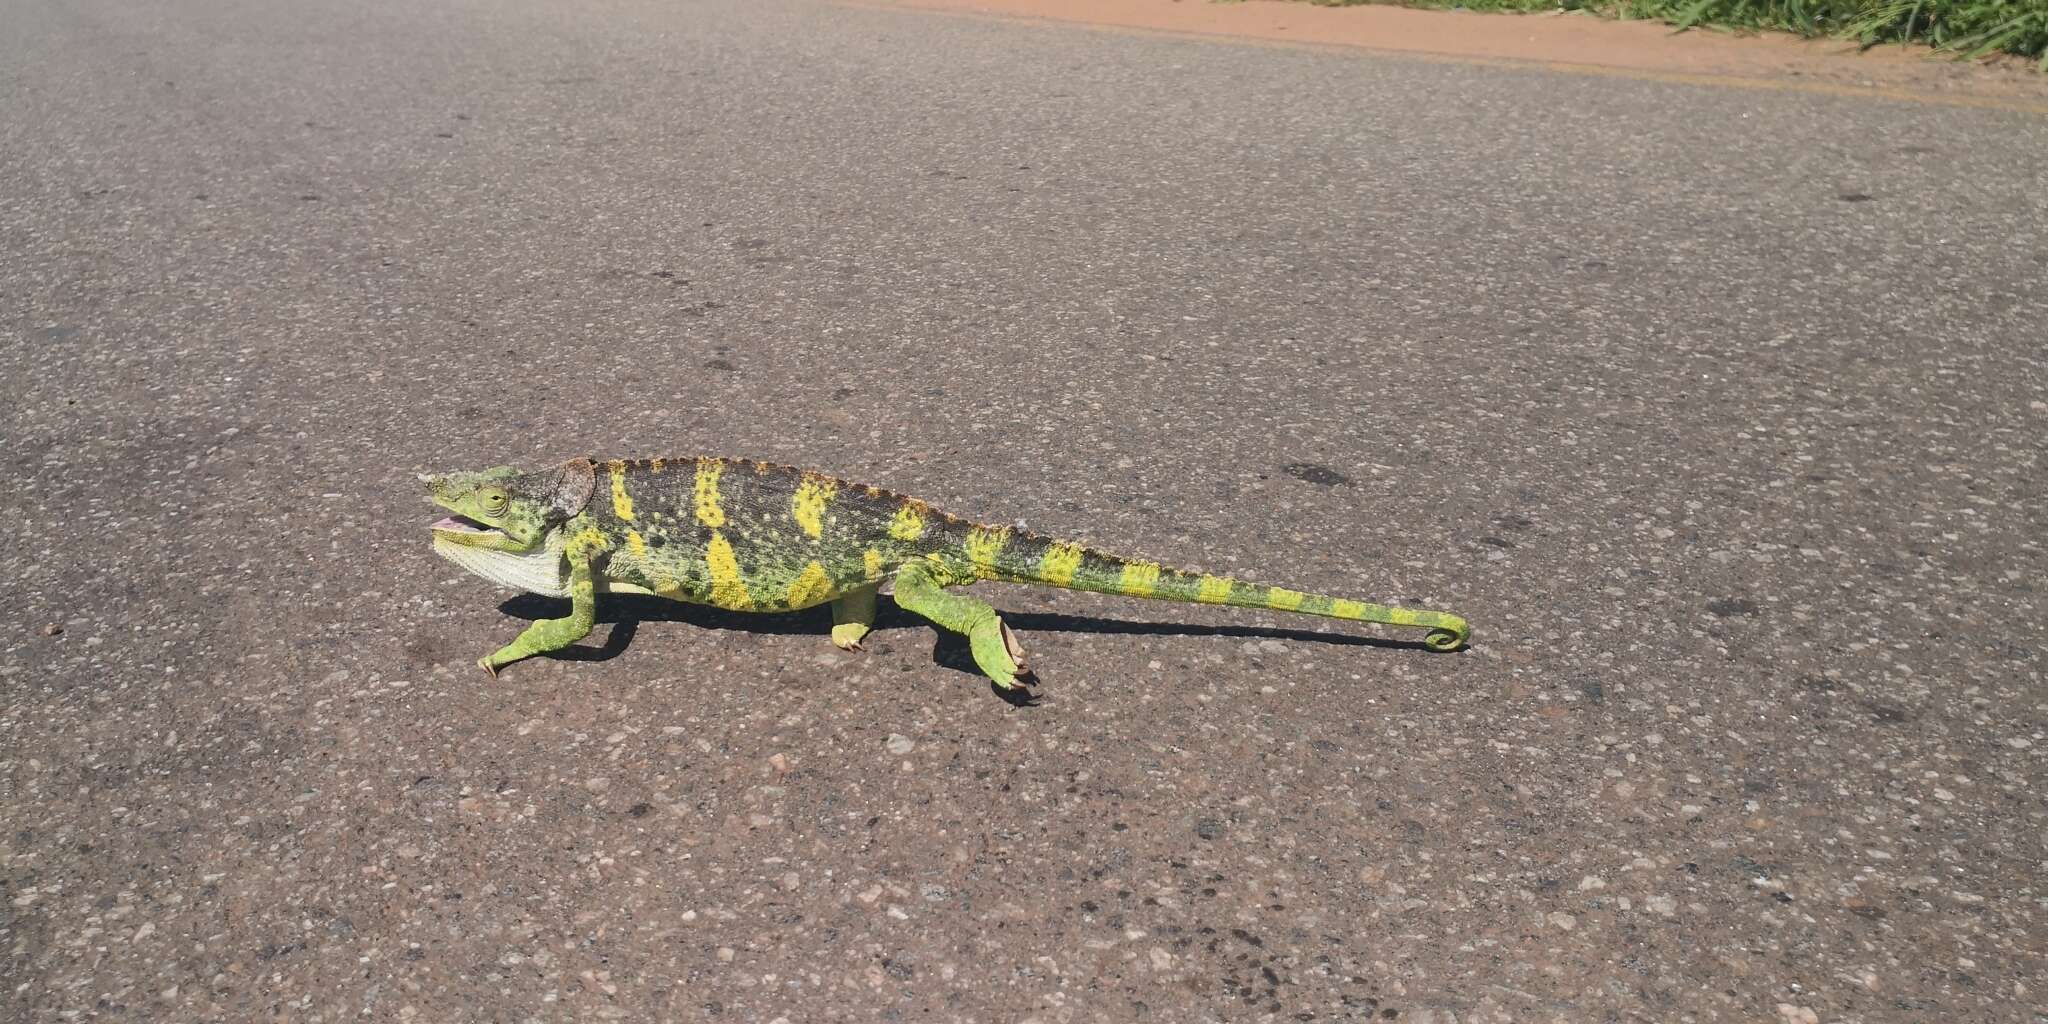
point(502, 509)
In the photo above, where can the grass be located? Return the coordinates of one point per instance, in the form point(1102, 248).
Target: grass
point(1967, 28)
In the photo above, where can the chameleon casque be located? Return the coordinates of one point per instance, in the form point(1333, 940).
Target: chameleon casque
point(757, 537)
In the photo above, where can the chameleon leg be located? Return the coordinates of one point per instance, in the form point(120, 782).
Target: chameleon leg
point(919, 589)
point(553, 634)
point(853, 614)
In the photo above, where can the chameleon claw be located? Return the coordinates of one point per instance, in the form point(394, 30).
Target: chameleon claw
point(485, 664)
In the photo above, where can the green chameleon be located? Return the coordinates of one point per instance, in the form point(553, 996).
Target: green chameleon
point(757, 537)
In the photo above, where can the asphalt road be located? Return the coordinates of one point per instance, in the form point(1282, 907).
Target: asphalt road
point(1720, 413)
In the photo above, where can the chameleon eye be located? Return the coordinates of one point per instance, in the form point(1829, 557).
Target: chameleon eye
point(493, 502)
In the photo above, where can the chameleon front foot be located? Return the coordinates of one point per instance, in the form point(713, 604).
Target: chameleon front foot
point(847, 636)
point(502, 657)
point(853, 615)
point(540, 638)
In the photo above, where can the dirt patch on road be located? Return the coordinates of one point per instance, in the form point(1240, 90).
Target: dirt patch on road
point(1570, 42)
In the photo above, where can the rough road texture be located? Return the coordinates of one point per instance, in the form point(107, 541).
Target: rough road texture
point(1720, 414)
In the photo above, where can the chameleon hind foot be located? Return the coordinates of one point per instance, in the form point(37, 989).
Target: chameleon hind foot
point(997, 651)
point(920, 589)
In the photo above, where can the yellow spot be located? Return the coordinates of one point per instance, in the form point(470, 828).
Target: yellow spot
point(872, 561)
point(808, 505)
point(1343, 609)
point(727, 589)
point(1214, 590)
point(708, 511)
point(811, 587)
point(656, 465)
point(909, 522)
point(1139, 578)
point(1284, 599)
point(622, 503)
point(1059, 563)
point(637, 543)
point(589, 539)
point(984, 543)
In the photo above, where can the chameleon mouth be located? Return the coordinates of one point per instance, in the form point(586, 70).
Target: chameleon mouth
point(463, 524)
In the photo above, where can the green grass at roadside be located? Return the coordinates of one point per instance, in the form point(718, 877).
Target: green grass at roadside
point(1965, 27)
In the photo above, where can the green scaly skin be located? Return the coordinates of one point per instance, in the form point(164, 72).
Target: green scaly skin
point(757, 537)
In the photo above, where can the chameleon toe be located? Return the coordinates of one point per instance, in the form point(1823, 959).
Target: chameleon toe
point(1011, 646)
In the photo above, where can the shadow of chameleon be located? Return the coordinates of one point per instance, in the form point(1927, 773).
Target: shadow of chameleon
point(625, 613)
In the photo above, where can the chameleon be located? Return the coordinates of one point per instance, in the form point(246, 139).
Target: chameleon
point(750, 536)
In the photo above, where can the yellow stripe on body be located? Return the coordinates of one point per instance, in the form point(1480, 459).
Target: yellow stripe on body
point(1213, 590)
point(708, 510)
point(727, 589)
point(1059, 563)
point(984, 544)
point(622, 503)
point(909, 522)
point(807, 506)
point(1283, 599)
point(871, 560)
point(1140, 579)
point(637, 543)
point(1342, 609)
point(811, 587)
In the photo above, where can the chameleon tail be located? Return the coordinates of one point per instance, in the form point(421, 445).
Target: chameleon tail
point(1022, 558)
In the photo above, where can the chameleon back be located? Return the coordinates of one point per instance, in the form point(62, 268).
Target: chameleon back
point(755, 536)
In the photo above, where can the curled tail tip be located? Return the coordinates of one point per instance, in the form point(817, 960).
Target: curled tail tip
point(1451, 633)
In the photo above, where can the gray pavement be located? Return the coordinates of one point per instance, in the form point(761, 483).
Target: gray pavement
point(1720, 413)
